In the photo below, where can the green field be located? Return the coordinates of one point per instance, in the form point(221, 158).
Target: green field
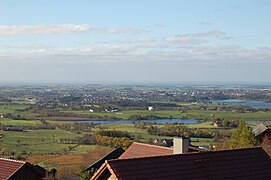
point(36, 141)
point(16, 109)
point(6, 121)
point(189, 114)
point(12, 107)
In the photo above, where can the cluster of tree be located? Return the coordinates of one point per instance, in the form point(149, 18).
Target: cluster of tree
point(199, 133)
point(12, 154)
point(3, 99)
point(113, 142)
point(147, 117)
point(87, 174)
point(143, 125)
point(113, 133)
point(13, 116)
point(174, 127)
point(113, 138)
point(241, 137)
point(226, 123)
point(89, 139)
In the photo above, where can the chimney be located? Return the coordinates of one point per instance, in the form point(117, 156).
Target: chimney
point(180, 145)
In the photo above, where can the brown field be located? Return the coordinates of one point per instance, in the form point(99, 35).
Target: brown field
point(69, 164)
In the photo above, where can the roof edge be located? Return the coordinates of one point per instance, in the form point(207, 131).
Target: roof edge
point(188, 154)
point(152, 145)
point(102, 158)
point(16, 170)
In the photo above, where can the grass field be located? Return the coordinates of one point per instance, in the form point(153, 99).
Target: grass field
point(36, 141)
point(16, 109)
point(6, 121)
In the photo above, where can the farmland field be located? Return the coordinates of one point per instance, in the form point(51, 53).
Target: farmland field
point(36, 141)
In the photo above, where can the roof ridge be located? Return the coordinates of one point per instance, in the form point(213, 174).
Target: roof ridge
point(12, 160)
point(117, 148)
point(162, 147)
point(186, 154)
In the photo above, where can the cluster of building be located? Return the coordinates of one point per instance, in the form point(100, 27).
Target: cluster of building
point(175, 159)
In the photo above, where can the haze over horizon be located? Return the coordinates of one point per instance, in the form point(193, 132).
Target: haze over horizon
point(135, 41)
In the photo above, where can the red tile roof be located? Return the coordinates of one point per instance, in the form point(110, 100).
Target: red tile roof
point(9, 167)
point(112, 155)
point(137, 150)
point(251, 163)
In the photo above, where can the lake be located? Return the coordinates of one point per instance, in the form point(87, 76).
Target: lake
point(237, 102)
point(158, 121)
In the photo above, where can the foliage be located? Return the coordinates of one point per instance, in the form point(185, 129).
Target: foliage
point(181, 130)
point(113, 133)
point(87, 174)
point(113, 142)
point(242, 136)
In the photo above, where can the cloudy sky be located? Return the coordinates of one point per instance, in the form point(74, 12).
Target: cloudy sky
point(135, 41)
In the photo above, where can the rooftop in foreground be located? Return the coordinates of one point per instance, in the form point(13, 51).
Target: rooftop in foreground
point(251, 163)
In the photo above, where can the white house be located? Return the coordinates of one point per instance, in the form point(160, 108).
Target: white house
point(150, 108)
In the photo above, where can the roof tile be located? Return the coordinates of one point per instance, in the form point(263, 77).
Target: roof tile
point(137, 150)
point(8, 167)
point(251, 163)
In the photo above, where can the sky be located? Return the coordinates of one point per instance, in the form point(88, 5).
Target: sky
point(95, 41)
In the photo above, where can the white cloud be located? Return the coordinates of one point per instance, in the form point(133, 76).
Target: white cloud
point(216, 54)
point(213, 33)
point(25, 46)
point(138, 40)
point(181, 39)
point(42, 29)
point(196, 38)
point(111, 30)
